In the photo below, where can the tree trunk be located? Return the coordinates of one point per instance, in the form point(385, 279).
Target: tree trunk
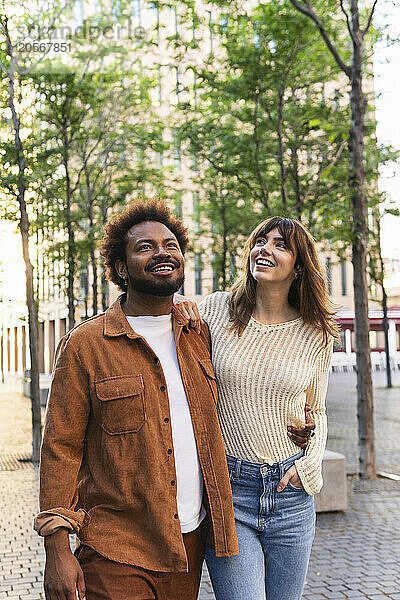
point(104, 282)
point(33, 337)
point(30, 294)
point(281, 158)
point(91, 237)
point(385, 320)
point(294, 159)
point(70, 234)
point(224, 242)
point(365, 408)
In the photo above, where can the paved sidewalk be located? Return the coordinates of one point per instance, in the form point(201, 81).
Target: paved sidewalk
point(355, 555)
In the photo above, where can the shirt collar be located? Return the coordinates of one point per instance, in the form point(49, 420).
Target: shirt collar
point(116, 324)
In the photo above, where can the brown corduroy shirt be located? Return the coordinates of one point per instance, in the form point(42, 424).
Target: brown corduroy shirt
point(107, 459)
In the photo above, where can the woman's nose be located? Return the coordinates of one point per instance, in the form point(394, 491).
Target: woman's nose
point(266, 249)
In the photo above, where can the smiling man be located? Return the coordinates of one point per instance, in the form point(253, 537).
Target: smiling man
point(132, 457)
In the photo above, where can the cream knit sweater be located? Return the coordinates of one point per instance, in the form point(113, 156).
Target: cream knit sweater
point(265, 377)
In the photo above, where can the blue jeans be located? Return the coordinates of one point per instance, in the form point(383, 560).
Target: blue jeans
point(275, 533)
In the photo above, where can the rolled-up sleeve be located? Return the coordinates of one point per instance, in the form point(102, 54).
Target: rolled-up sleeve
point(309, 467)
point(63, 441)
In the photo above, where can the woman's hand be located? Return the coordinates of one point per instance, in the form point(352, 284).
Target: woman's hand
point(189, 310)
point(292, 476)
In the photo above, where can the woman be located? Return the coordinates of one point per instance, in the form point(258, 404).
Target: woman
point(271, 348)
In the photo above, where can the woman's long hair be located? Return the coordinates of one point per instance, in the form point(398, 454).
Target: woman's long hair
point(308, 292)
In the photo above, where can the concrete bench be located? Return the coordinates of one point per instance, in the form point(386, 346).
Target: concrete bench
point(333, 496)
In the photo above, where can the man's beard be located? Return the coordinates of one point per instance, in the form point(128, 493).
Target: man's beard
point(155, 288)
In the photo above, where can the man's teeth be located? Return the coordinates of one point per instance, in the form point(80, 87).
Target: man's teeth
point(162, 268)
point(267, 263)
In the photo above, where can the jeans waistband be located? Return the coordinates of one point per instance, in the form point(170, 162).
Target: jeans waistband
point(278, 469)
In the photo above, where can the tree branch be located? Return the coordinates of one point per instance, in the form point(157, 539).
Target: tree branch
point(306, 9)
point(344, 11)
point(371, 14)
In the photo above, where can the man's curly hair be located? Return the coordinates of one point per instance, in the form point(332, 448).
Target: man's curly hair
point(114, 243)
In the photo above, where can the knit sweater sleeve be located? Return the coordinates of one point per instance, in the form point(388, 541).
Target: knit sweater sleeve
point(309, 466)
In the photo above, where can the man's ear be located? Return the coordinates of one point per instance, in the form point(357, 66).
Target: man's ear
point(120, 267)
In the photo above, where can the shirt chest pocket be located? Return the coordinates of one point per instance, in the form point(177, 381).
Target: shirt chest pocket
point(207, 368)
point(122, 405)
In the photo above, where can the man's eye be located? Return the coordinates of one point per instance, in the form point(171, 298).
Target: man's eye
point(173, 245)
point(145, 247)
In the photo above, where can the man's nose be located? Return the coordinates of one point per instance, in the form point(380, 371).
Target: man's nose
point(162, 251)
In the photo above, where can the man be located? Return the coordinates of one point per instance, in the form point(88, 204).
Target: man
point(132, 456)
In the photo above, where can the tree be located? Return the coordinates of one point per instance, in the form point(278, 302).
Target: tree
point(101, 152)
point(15, 66)
point(377, 273)
point(261, 124)
point(356, 177)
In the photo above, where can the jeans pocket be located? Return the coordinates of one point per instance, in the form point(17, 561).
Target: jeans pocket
point(295, 488)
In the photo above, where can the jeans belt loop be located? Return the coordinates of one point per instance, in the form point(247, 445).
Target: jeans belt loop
point(238, 467)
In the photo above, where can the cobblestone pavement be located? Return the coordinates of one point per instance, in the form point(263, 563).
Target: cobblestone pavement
point(356, 555)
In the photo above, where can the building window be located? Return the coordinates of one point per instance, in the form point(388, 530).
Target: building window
point(160, 159)
point(210, 31)
point(256, 34)
point(232, 267)
point(336, 99)
point(177, 83)
point(136, 12)
point(156, 14)
point(175, 16)
point(177, 150)
point(198, 273)
point(214, 274)
point(178, 204)
point(196, 212)
point(223, 24)
point(343, 277)
point(195, 89)
point(77, 12)
point(159, 84)
point(328, 270)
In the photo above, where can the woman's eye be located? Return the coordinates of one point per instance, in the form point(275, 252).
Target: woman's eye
point(260, 242)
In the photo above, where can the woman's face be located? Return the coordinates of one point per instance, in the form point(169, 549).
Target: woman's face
point(271, 260)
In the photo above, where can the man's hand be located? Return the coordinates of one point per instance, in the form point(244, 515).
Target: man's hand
point(301, 435)
point(189, 310)
point(63, 576)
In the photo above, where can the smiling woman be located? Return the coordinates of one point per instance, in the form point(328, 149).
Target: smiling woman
point(271, 343)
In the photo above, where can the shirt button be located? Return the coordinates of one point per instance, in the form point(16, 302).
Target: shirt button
point(162, 388)
point(175, 516)
point(173, 482)
point(169, 451)
point(166, 420)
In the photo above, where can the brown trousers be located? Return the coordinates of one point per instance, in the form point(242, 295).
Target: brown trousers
point(109, 580)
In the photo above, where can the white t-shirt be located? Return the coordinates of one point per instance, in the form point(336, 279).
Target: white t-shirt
point(157, 331)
